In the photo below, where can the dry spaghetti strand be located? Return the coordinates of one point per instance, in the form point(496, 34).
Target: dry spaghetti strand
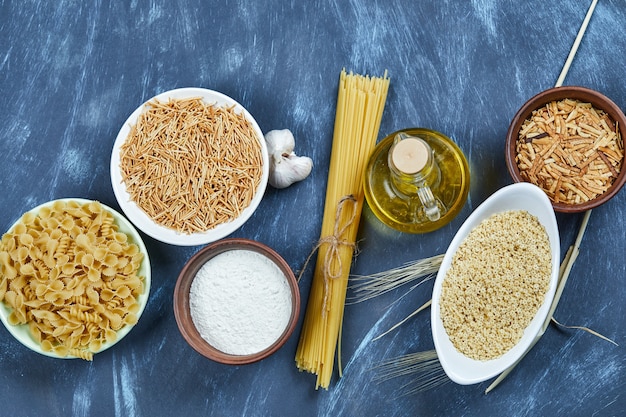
point(191, 166)
point(360, 104)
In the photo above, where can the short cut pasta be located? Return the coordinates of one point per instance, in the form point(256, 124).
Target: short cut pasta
point(71, 276)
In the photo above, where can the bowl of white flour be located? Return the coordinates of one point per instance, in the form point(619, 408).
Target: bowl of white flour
point(236, 301)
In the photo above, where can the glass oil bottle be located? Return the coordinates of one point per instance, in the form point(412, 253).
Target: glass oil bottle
point(416, 180)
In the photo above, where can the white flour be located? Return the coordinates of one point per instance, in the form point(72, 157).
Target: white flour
point(240, 302)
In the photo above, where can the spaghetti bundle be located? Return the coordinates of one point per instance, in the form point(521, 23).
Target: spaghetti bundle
point(360, 104)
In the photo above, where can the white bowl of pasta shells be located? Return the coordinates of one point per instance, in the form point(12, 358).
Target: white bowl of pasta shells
point(74, 278)
point(189, 166)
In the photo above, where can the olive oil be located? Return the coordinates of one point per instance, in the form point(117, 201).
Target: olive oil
point(422, 201)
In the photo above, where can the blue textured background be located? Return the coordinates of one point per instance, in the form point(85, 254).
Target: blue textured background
point(71, 72)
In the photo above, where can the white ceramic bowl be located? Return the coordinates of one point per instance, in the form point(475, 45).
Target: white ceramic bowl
point(460, 368)
point(22, 333)
point(145, 222)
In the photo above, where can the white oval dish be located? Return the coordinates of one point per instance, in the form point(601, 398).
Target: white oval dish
point(140, 219)
point(22, 333)
point(520, 196)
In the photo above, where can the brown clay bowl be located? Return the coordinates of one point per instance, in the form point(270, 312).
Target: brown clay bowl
point(597, 100)
point(182, 306)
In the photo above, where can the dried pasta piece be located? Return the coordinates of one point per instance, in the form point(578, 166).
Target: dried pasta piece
point(3, 287)
point(81, 353)
point(95, 344)
point(130, 319)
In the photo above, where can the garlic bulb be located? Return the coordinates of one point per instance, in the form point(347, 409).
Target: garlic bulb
point(285, 166)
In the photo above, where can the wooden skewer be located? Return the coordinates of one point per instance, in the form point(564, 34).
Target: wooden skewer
point(579, 37)
point(572, 253)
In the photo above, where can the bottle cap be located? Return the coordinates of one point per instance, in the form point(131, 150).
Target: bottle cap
point(410, 155)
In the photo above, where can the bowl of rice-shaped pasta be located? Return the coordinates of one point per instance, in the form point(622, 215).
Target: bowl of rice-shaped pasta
point(74, 278)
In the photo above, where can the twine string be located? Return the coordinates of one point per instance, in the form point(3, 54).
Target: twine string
point(335, 241)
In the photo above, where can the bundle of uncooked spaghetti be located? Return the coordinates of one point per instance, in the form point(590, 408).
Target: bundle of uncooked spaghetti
point(360, 104)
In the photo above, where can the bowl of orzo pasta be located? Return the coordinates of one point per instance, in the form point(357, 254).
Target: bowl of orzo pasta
point(496, 283)
point(189, 166)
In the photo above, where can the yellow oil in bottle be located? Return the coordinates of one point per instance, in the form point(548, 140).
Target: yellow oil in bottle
point(396, 200)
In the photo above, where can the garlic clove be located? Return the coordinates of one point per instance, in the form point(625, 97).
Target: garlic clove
point(280, 142)
point(300, 165)
point(290, 170)
point(286, 167)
